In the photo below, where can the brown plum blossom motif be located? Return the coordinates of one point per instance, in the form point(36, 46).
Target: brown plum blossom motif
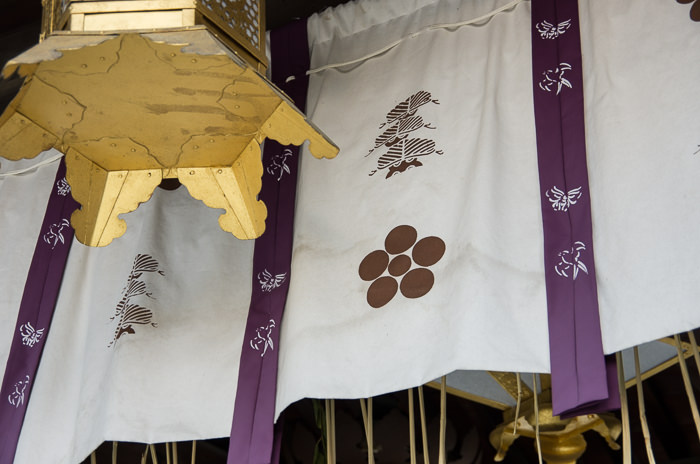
point(403, 152)
point(694, 10)
point(405, 259)
point(127, 312)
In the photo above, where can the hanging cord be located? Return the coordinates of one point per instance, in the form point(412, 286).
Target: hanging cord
point(694, 344)
point(333, 431)
point(330, 431)
point(686, 382)
point(411, 426)
point(517, 404)
point(194, 451)
point(642, 411)
point(32, 167)
point(537, 419)
point(144, 456)
point(443, 420)
point(114, 452)
point(174, 452)
point(367, 419)
point(93, 457)
point(153, 454)
point(423, 426)
point(624, 411)
point(167, 452)
point(483, 18)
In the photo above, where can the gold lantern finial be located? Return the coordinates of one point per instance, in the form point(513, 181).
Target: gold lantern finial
point(130, 105)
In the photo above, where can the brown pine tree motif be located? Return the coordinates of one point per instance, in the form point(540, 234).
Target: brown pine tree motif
point(127, 312)
point(401, 122)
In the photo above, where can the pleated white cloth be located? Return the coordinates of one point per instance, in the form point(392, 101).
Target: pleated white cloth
point(418, 250)
point(437, 133)
point(183, 286)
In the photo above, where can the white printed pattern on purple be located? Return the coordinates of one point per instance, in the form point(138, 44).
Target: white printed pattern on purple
point(562, 201)
point(16, 397)
point(263, 338)
point(278, 165)
point(570, 261)
point(55, 233)
point(548, 30)
point(555, 77)
point(268, 282)
point(62, 187)
point(30, 336)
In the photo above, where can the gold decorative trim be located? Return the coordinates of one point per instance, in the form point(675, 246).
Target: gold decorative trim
point(129, 111)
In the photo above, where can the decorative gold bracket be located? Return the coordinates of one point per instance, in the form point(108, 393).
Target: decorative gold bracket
point(130, 111)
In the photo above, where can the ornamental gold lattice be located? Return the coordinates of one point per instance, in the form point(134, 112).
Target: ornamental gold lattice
point(239, 23)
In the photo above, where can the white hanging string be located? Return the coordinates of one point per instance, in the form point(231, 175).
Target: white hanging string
point(481, 19)
point(194, 451)
point(175, 452)
point(642, 410)
point(41, 163)
point(624, 411)
point(114, 452)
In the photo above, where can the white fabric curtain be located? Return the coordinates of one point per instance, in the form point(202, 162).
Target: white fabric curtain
point(174, 377)
point(464, 171)
point(487, 309)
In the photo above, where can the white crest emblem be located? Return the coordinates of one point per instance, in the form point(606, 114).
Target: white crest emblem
point(263, 338)
point(268, 282)
point(62, 187)
point(55, 233)
point(278, 165)
point(570, 262)
point(548, 30)
point(16, 397)
point(30, 336)
point(555, 77)
point(562, 201)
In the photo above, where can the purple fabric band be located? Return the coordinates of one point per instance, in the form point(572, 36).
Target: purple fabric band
point(252, 432)
point(35, 313)
point(579, 378)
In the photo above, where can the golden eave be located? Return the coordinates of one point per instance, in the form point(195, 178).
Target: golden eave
point(129, 111)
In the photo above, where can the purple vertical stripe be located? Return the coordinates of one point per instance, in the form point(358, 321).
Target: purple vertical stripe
point(35, 313)
point(252, 431)
point(578, 366)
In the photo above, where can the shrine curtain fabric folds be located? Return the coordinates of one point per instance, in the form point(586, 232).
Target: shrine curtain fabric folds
point(417, 251)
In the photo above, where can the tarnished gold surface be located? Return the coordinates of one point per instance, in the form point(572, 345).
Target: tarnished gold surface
point(129, 111)
point(240, 23)
point(561, 440)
